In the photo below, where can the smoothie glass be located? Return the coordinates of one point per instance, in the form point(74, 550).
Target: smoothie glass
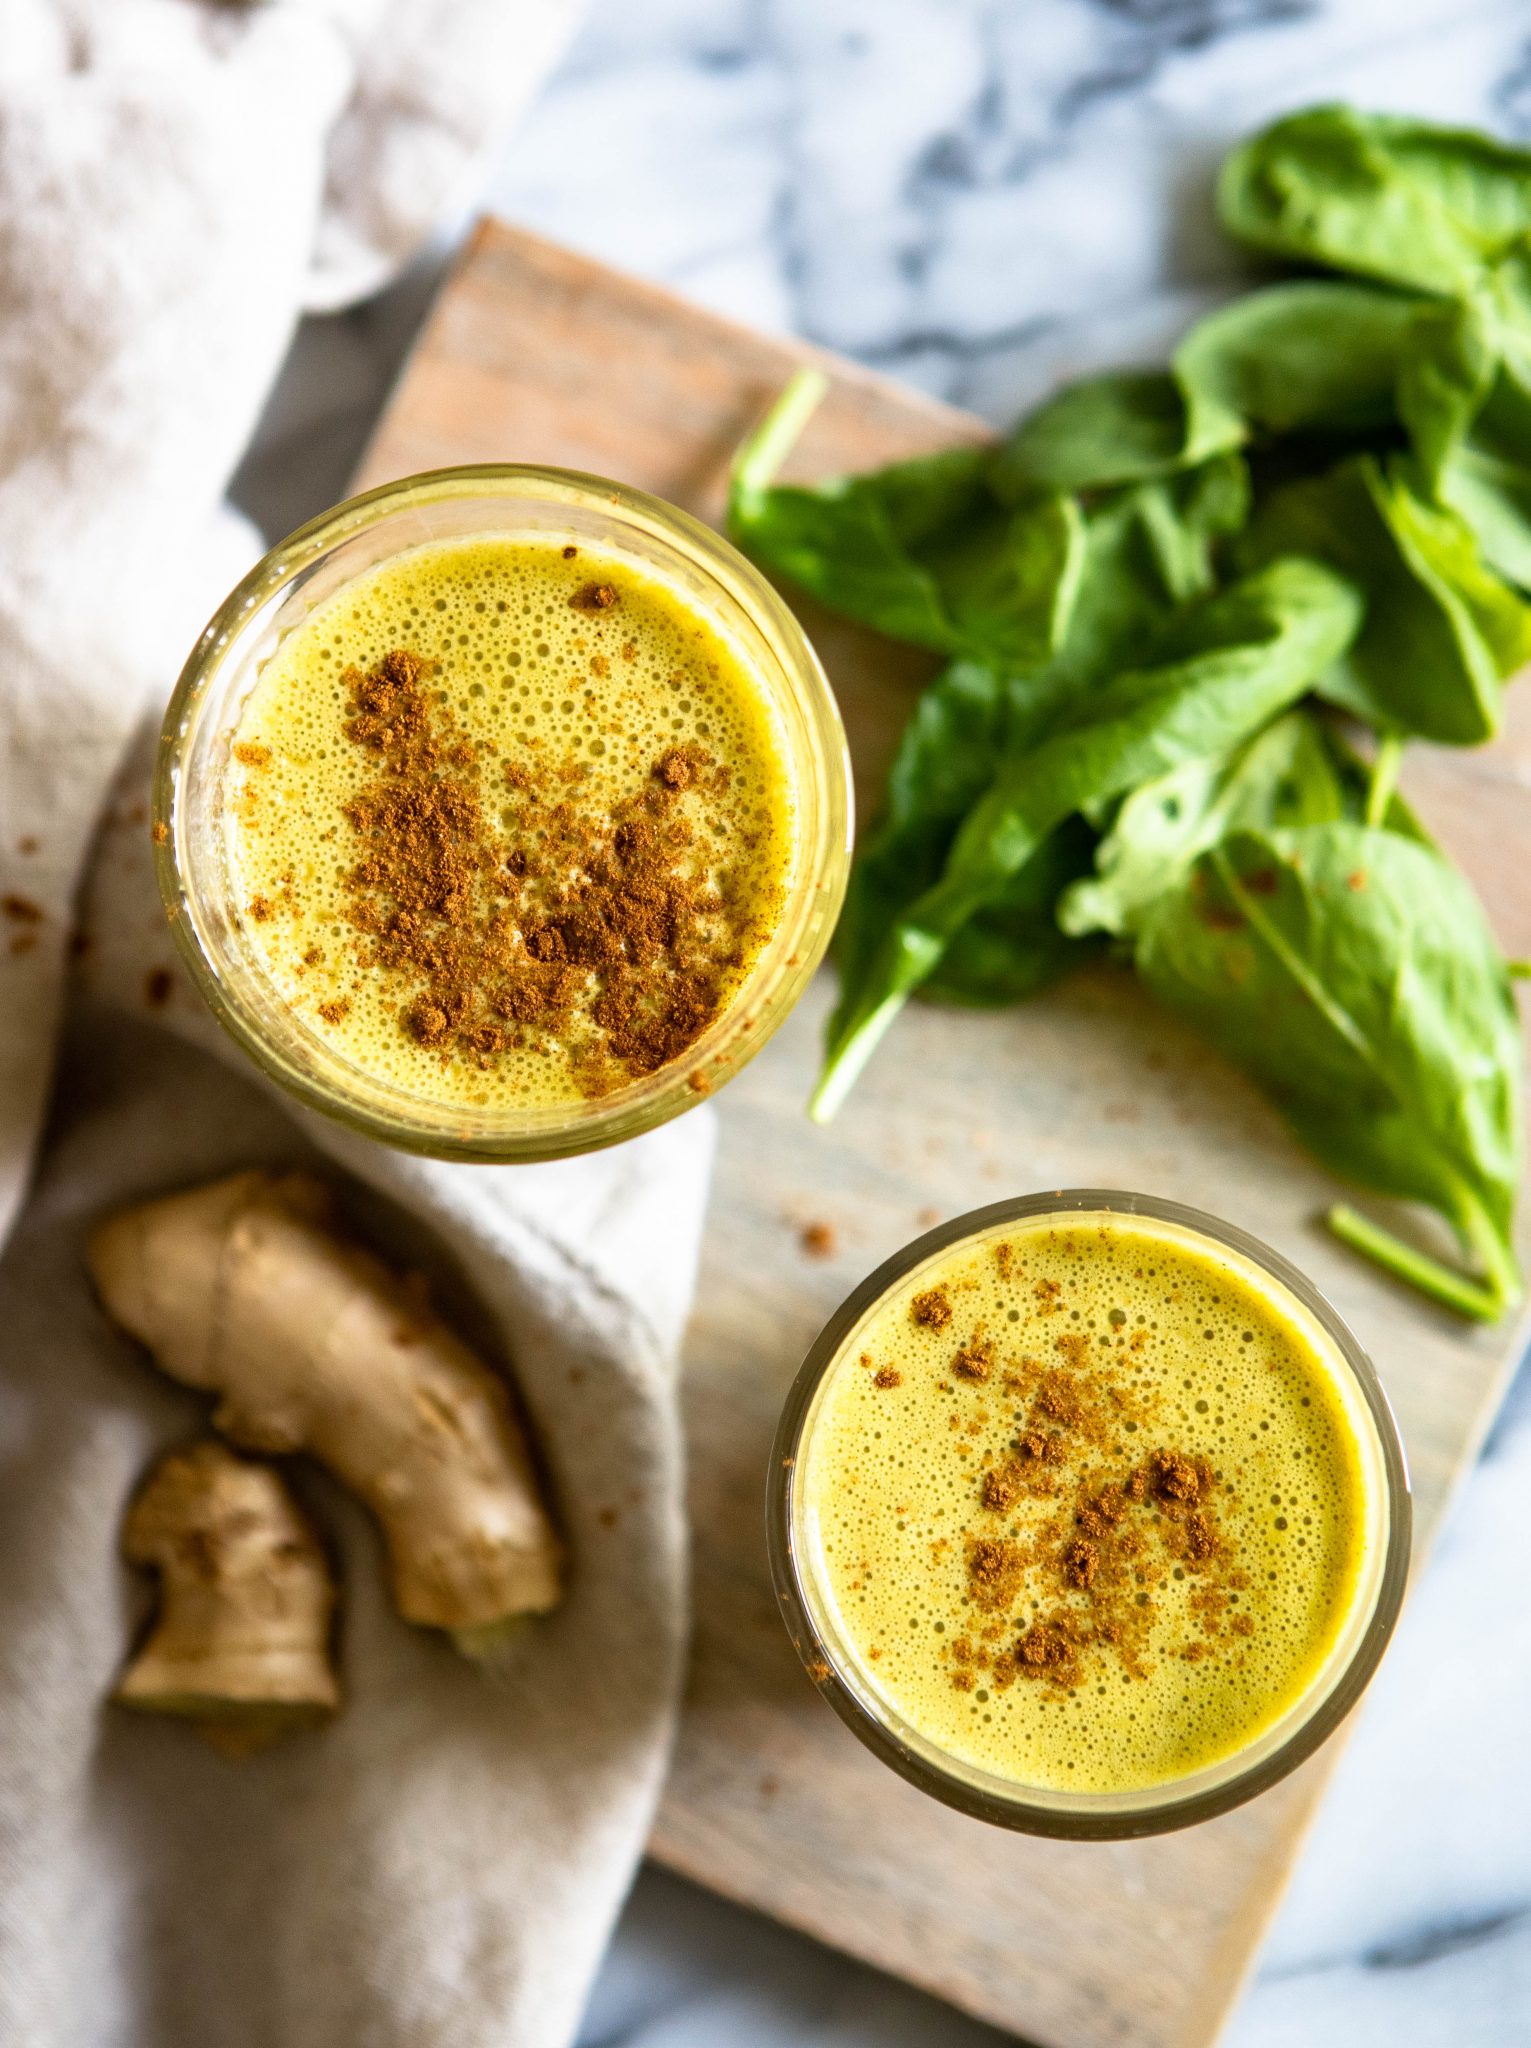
point(841, 1674)
point(192, 841)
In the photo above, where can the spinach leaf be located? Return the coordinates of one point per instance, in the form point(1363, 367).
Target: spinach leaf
point(1401, 200)
point(921, 550)
point(1015, 945)
point(1465, 397)
point(1441, 629)
point(1146, 549)
point(1444, 382)
point(959, 731)
point(1487, 480)
point(1286, 775)
point(1444, 552)
point(1118, 428)
point(1182, 519)
point(1297, 772)
point(1308, 357)
point(1232, 662)
point(1352, 973)
point(1295, 358)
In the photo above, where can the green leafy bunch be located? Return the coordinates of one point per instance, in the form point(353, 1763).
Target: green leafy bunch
point(1155, 600)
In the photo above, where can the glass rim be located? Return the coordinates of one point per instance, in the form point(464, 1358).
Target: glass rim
point(1032, 1810)
point(775, 982)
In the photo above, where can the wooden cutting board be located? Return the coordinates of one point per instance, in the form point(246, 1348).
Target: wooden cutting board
point(534, 354)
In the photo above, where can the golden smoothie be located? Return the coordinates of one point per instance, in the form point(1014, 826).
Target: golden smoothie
point(510, 822)
point(1088, 1503)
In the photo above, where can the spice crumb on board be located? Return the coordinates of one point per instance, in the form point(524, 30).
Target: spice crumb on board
point(819, 1240)
point(157, 987)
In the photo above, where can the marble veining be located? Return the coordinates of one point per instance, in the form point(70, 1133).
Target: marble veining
point(984, 196)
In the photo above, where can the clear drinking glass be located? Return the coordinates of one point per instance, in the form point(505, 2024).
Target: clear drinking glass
point(193, 855)
point(842, 1678)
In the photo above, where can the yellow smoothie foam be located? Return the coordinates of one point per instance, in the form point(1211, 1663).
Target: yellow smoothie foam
point(1088, 1502)
point(560, 681)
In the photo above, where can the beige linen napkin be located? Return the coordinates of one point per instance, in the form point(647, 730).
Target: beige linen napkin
point(441, 1867)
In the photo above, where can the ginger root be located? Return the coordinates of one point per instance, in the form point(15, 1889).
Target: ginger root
point(244, 1289)
point(241, 1640)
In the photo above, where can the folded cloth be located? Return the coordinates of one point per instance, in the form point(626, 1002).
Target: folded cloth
point(178, 179)
point(443, 1863)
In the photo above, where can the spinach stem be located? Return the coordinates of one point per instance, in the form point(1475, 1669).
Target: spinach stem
point(844, 1067)
point(1452, 1289)
point(762, 453)
point(1384, 780)
point(1497, 1258)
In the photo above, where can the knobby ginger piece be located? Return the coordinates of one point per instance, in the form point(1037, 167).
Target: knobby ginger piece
point(243, 1288)
point(240, 1643)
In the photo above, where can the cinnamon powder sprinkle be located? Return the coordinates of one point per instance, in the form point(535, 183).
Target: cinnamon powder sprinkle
point(975, 1361)
point(1050, 1649)
point(1174, 1477)
point(932, 1309)
point(1059, 1400)
point(1045, 1449)
point(1101, 1543)
point(1001, 1488)
point(554, 921)
point(1081, 1564)
point(994, 1567)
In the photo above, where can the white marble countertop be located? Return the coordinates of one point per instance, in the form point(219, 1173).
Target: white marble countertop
point(980, 195)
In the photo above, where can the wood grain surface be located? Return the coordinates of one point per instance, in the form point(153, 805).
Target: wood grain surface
point(535, 354)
